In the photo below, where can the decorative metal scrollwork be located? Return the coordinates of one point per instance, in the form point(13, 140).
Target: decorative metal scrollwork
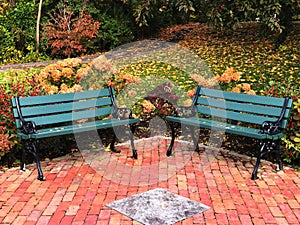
point(121, 113)
point(28, 127)
point(271, 128)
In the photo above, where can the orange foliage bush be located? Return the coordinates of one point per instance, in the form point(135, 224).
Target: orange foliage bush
point(62, 77)
point(229, 77)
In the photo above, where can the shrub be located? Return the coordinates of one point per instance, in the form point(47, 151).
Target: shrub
point(17, 34)
point(112, 33)
point(148, 96)
point(24, 84)
point(291, 141)
point(11, 86)
point(226, 14)
point(70, 35)
point(228, 81)
point(6, 142)
point(4, 7)
point(61, 77)
point(20, 22)
point(9, 53)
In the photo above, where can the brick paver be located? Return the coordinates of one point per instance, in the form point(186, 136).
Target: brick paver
point(76, 191)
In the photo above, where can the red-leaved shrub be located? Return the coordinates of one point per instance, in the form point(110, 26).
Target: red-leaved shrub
point(68, 35)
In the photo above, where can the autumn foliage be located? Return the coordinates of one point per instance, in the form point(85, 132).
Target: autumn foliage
point(12, 88)
point(61, 77)
point(68, 35)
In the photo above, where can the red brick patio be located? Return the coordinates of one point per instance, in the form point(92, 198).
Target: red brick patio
point(76, 193)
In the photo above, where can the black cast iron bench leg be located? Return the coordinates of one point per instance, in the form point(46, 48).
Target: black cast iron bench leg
point(267, 146)
point(169, 151)
point(132, 129)
point(112, 144)
point(278, 157)
point(254, 173)
point(131, 132)
point(23, 156)
point(195, 138)
point(30, 146)
point(193, 134)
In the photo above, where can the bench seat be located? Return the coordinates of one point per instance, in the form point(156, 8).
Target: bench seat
point(225, 127)
point(77, 128)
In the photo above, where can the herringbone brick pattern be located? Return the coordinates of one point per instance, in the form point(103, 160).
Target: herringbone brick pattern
point(76, 193)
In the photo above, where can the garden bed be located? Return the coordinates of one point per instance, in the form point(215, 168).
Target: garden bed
point(262, 65)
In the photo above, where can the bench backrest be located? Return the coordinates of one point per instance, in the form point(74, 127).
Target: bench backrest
point(64, 108)
point(245, 108)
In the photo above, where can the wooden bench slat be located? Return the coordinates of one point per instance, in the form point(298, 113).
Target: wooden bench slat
point(67, 97)
point(241, 107)
point(41, 110)
point(264, 100)
point(231, 115)
point(69, 117)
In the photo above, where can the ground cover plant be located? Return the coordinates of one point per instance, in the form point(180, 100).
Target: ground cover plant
point(242, 61)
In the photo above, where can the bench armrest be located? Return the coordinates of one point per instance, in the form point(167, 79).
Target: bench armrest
point(185, 112)
point(119, 113)
point(188, 111)
point(273, 127)
point(270, 127)
point(122, 113)
point(28, 127)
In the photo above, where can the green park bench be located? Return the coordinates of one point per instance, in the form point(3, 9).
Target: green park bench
point(47, 116)
point(262, 118)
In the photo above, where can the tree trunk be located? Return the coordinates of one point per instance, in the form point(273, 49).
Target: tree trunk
point(38, 27)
